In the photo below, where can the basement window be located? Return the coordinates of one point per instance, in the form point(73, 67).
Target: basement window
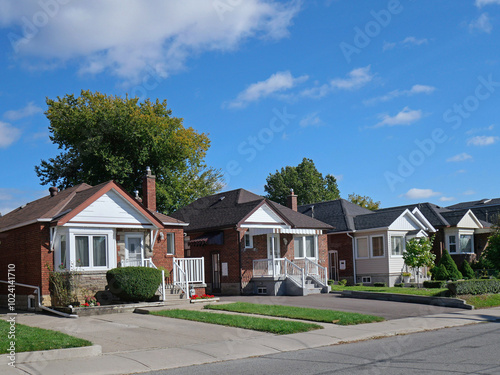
point(261, 290)
point(366, 279)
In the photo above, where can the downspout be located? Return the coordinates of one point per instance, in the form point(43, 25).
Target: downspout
point(239, 260)
point(37, 290)
point(353, 258)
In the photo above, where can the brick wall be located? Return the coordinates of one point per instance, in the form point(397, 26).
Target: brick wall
point(28, 249)
point(160, 256)
point(343, 244)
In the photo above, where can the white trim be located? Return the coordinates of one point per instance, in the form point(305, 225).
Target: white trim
point(264, 226)
point(143, 245)
point(367, 247)
point(178, 224)
point(110, 235)
point(300, 231)
point(121, 226)
point(315, 249)
point(383, 246)
point(403, 235)
point(423, 220)
point(250, 246)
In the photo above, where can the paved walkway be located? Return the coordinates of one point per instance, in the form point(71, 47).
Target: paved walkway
point(137, 343)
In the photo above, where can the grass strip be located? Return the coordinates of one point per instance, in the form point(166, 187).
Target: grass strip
point(303, 313)
point(482, 301)
point(413, 291)
point(29, 339)
point(280, 327)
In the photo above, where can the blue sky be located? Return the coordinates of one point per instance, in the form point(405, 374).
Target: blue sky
point(397, 99)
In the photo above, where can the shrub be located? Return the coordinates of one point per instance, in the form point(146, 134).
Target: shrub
point(399, 285)
point(133, 284)
point(451, 267)
point(438, 284)
point(474, 287)
point(380, 285)
point(359, 284)
point(343, 282)
point(467, 271)
point(439, 272)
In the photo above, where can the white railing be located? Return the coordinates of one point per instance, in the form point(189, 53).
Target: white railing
point(194, 268)
point(180, 279)
point(313, 270)
point(264, 267)
point(295, 273)
point(148, 262)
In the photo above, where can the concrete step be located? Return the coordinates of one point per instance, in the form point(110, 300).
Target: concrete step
point(314, 291)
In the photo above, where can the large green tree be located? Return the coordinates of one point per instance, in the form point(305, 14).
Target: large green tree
point(305, 180)
point(364, 201)
point(493, 249)
point(109, 137)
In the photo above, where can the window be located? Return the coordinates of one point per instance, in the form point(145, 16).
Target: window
point(171, 243)
point(452, 243)
point(397, 243)
point(91, 251)
point(465, 243)
point(366, 279)
point(64, 256)
point(362, 247)
point(305, 246)
point(378, 246)
point(248, 241)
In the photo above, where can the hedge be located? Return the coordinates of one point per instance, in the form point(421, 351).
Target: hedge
point(133, 284)
point(380, 285)
point(474, 287)
point(437, 284)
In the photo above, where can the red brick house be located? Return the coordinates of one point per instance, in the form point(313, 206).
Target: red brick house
point(252, 245)
point(89, 229)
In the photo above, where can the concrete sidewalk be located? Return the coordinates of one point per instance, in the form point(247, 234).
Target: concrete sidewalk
point(137, 343)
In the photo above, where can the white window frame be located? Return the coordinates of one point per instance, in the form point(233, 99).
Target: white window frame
point(458, 234)
point(459, 245)
point(277, 250)
point(303, 238)
point(366, 279)
point(454, 243)
point(110, 248)
point(383, 246)
point(367, 247)
point(403, 243)
point(135, 235)
point(250, 241)
point(170, 238)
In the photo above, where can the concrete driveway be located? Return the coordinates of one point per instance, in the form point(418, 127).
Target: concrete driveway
point(386, 309)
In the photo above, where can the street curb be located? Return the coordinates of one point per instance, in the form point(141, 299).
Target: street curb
point(425, 300)
point(55, 354)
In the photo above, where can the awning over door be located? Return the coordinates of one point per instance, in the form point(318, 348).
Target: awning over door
point(209, 238)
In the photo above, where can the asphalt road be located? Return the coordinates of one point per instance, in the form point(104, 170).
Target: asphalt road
point(470, 349)
point(387, 309)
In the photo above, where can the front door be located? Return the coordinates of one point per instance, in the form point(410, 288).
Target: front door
point(216, 273)
point(273, 247)
point(134, 250)
point(333, 260)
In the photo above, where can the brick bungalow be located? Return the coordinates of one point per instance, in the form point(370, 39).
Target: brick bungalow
point(252, 245)
point(89, 229)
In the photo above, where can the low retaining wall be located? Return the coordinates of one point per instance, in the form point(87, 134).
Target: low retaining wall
point(425, 300)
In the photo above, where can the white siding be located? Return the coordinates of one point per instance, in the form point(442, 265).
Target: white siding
point(396, 264)
point(264, 215)
point(467, 222)
point(404, 222)
point(111, 208)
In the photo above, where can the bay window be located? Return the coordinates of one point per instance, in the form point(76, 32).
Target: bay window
point(397, 245)
point(91, 251)
point(466, 243)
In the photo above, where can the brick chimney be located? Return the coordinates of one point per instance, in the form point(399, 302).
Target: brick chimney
point(149, 190)
point(292, 201)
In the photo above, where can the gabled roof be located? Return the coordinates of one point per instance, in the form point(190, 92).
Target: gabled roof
point(476, 204)
point(67, 203)
point(486, 210)
point(377, 219)
point(338, 213)
point(432, 212)
point(231, 208)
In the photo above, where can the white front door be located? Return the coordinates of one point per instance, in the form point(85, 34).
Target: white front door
point(273, 252)
point(134, 250)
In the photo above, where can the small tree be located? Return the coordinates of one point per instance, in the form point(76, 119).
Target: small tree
point(440, 273)
point(467, 271)
point(493, 248)
point(450, 266)
point(418, 254)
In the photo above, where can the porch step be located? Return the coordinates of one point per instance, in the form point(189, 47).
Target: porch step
point(314, 290)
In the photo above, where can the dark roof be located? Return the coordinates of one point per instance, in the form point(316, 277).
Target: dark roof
point(486, 210)
point(377, 219)
point(338, 213)
point(53, 208)
point(476, 204)
point(432, 212)
point(229, 208)
point(167, 219)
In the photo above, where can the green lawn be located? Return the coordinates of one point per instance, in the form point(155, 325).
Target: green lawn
point(30, 339)
point(303, 313)
point(415, 291)
point(482, 301)
point(280, 327)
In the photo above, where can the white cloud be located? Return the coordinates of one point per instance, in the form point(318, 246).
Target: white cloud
point(415, 89)
point(277, 82)
point(355, 79)
point(339, 177)
point(482, 23)
point(415, 193)
point(460, 157)
point(414, 41)
point(481, 3)
point(387, 46)
point(311, 119)
point(469, 192)
point(477, 130)
point(446, 199)
point(482, 140)
point(406, 117)
point(30, 110)
point(8, 134)
point(126, 41)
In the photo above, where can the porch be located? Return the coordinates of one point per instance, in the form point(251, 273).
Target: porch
point(282, 276)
